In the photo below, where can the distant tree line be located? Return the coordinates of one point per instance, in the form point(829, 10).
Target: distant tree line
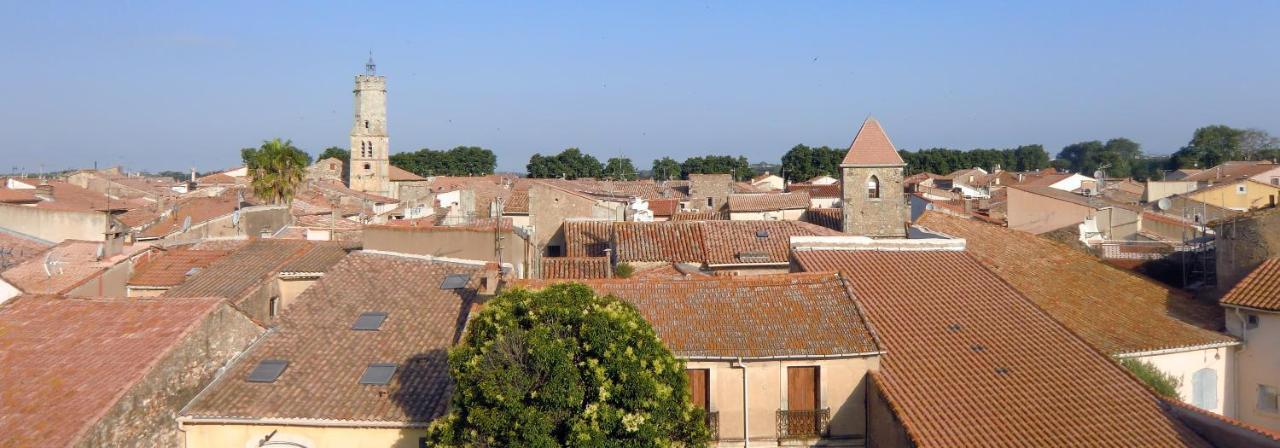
point(459, 161)
point(572, 163)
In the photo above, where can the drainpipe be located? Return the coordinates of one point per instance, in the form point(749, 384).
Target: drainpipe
point(746, 404)
point(1235, 364)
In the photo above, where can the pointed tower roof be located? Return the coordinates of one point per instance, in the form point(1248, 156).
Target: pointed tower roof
point(872, 147)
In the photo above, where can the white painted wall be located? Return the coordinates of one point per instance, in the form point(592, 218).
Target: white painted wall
point(1184, 365)
point(1072, 182)
point(8, 291)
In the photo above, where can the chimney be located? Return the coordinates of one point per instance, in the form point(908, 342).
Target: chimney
point(491, 279)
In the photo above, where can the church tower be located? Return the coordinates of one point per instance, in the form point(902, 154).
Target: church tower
point(871, 176)
point(370, 150)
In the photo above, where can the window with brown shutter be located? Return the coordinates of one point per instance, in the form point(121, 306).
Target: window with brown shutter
point(700, 387)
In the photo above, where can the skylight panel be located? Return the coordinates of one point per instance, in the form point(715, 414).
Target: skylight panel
point(378, 374)
point(268, 371)
point(455, 281)
point(369, 321)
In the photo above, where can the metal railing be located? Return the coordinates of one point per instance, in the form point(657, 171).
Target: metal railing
point(803, 423)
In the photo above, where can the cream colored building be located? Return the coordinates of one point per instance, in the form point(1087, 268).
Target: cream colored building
point(1239, 195)
point(1253, 315)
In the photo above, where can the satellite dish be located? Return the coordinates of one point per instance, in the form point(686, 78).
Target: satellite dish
point(235, 218)
point(1164, 204)
point(186, 223)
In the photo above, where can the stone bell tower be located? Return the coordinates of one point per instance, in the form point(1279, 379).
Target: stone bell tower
point(370, 150)
point(872, 197)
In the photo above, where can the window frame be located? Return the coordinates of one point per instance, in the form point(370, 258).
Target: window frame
point(1268, 394)
point(873, 187)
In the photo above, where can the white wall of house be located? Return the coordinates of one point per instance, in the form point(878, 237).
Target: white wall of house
point(1204, 373)
point(824, 202)
point(8, 291)
point(1257, 365)
point(1073, 182)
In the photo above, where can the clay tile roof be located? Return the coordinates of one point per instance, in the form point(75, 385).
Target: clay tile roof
point(397, 174)
point(659, 241)
point(576, 267)
point(746, 242)
point(664, 207)
point(696, 215)
point(17, 248)
point(201, 209)
point(830, 218)
point(73, 263)
point(971, 363)
point(1096, 202)
point(318, 259)
point(239, 273)
point(586, 238)
point(73, 198)
point(76, 357)
point(1260, 289)
point(18, 196)
point(170, 268)
point(872, 147)
point(1232, 170)
point(763, 202)
point(807, 314)
point(517, 203)
point(1114, 310)
point(326, 358)
point(817, 191)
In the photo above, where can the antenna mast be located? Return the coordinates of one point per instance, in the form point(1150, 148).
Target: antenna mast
point(370, 68)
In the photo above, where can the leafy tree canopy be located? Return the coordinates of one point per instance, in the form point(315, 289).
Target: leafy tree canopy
point(565, 367)
point(665, 168)
point(459, 161)
point(737, 166)
point(571, 163)
point(175, 175)
point(802, 163)
point(1213, 145)
point(336, 152)
point(276, 169)
point(945, 160)
point(619, 168)
point(1163, 383)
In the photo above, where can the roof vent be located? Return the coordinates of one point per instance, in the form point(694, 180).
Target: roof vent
point(378, 374)
point(1002, 371)
point(455, 281)
point(369, 321)
point(762, 233)
point(267, 371)
point(954, 327)
point(977, 347)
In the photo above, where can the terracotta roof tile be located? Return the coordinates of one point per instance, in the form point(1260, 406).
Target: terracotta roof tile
point(326, 358)
point(1260, 289)
point(750, 242)
point(1232, 170)
point(817, 191)
point(1114, 310)
point(238, 273)
point(872, 147)
point(73, 263)
point(517, 203)
point(16, 248)
point(763, 202)
point(171, 268)
point(754, 316)
point(659, 241)
point(78, 356)
point(972, 363)
point(664, 207)
point(576, 267)
point(696, 215)
point(586, 238)
point(711, 242)
point(397, 174)
point(18, 196)
point(321, 257)
point(201, 209)
point(831, 218)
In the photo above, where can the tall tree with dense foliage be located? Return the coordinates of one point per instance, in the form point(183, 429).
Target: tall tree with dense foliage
point(1209, 146)
point(619, 168)
point(665, 168)
point(459, 161)
point(736, 166)
point(338, 153)
point(945, 160)
point(571, 163)
point(1118, 157)
point(802, 163)
point(565, 367)
point(276, 170)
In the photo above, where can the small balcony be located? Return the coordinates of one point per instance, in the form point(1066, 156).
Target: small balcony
point(803, 424)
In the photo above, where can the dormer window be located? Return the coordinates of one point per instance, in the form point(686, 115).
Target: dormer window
point(873, 188)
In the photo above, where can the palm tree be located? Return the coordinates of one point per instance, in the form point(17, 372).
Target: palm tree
point(276, 169)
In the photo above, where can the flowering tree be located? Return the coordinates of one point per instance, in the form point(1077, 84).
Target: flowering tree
point(564, 367)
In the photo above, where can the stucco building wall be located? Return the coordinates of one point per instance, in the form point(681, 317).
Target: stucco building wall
point(456, 242)
point(1256, 363)
point(54, 225)
point(1033, 213)
point(1240, 195)
point(208, 435)
point(1184, 365)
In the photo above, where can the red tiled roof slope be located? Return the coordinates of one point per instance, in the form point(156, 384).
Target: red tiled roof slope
point(586, 238)
point(751, 317)
point(763, 202)
point(237, 274)
point(872, 147)
point(972, 363)
point(67, 361)
point(326, 357)
point(1260, 289)
point(1115, 310)
point(170, 268)
point(576, 267)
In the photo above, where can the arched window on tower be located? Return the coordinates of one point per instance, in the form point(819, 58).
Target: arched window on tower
point(873, 187)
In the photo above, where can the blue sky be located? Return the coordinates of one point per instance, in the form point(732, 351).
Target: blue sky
point(167, 86)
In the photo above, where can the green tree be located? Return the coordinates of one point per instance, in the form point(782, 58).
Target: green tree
point(1029, 158)
point(276, 169)
point(571, 163)
point(175, 175)
point(665, 168)
point(1209, 146)
point(336, 152)
point(802, 163)
point(565, 367)
point(619, 168)
point(459, 161)
point(1164, 384)
point(736, 166)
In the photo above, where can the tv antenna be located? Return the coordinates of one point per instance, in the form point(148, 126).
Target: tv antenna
point(370, 68)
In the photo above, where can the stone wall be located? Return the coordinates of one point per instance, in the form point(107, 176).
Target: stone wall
point(1243, 243)
point(146, 414)
point(369, 167)
point(709, 191)
point(882, 217)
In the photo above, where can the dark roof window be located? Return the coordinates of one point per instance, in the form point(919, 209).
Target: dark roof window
point(268, 371)
point(378, 374)
point(369, 321)
point(762, 233)
point(455, 281)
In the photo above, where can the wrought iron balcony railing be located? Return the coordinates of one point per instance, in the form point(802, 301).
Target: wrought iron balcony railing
point(803, 423)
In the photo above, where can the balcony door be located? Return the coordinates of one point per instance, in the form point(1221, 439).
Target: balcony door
point(802, 388)
point(699, 385)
